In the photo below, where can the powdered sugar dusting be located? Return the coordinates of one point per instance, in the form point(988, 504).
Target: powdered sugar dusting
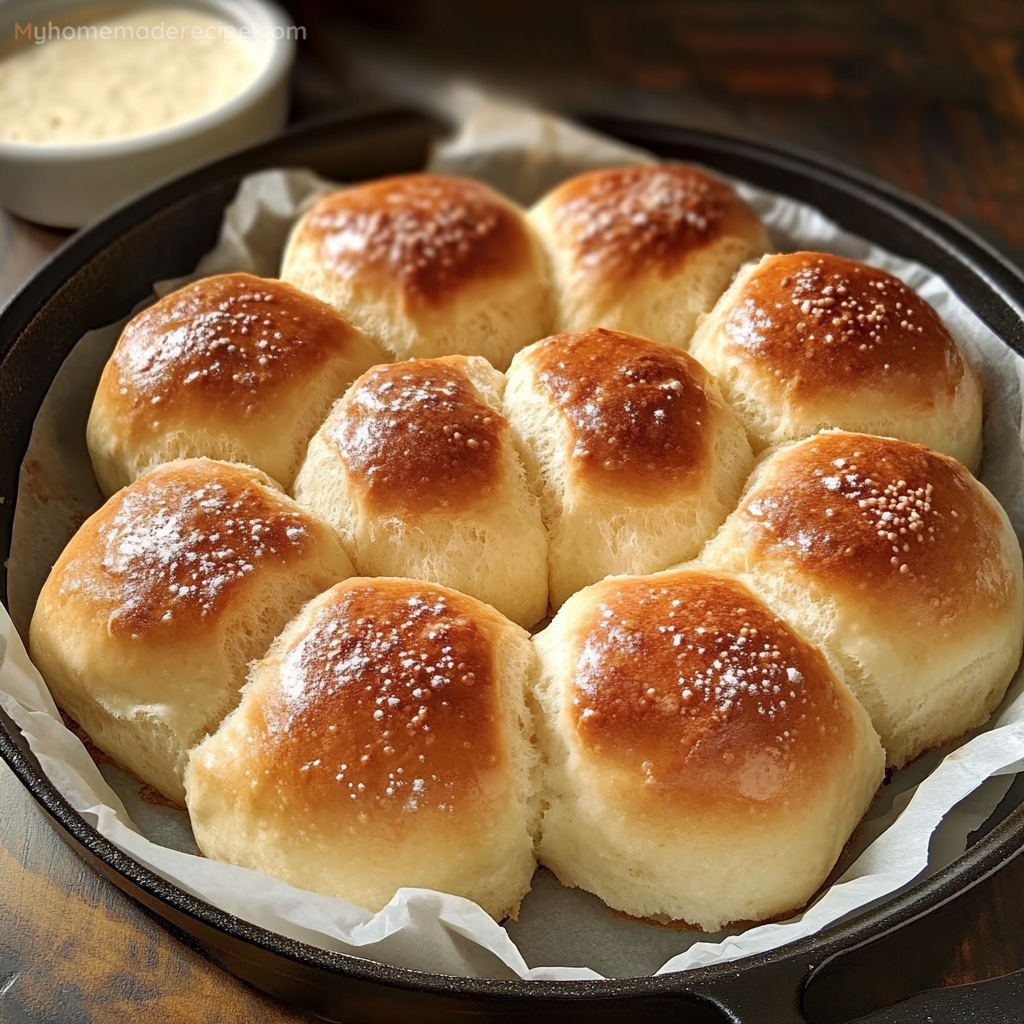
point(416, 438)
point(173, 546)
point(233, 337)
point(429, 233)
point(389, 700)
point(620, 221)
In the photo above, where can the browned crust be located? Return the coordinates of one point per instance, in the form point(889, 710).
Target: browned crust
point(230, 347)
point(622, 222)
point(170, 550)
point(687, 688)
point(428, 236)
point(900, 527)
point(819, 326)
point(384, 714)
point(640, 417)
point(415, 438)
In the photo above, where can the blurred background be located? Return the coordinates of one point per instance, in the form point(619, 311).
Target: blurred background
point(928, 94)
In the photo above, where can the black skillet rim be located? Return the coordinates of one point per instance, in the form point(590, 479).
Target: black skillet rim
point(977, 863)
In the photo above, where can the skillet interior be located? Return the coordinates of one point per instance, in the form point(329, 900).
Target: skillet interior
point(105, 270)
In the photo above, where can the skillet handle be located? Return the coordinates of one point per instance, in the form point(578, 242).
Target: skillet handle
point(758, 994)
point(974, 936)
point(960, 961)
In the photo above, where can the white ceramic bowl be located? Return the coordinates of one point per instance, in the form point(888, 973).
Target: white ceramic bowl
point(70, 184)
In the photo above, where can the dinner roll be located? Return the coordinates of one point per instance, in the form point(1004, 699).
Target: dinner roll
point(635, 455)
point(900, 565)
point(383, 742)
point(233, 367)
point(808, 340)
point(702, 762)
point(417, 471)
point(644, 249)
point(147, 623)
point(429, 265)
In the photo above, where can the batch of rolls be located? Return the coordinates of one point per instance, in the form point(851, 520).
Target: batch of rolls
point(741, 485)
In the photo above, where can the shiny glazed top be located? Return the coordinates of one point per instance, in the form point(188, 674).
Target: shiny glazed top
point(386, 707)
point(902, 529)
point(639, 416)
point(623, 222)
point(226, 346)
point(415, 438)
point(168, 554)
point(688, 688)
point(428, 236)
point(820, 324)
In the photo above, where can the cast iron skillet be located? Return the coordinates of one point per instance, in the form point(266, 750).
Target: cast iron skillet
point(893, 953)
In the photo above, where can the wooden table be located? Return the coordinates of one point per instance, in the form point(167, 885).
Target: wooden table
point(74, 950)
point(928, 94)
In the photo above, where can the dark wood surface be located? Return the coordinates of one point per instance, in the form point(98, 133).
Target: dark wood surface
point(74, 950)
point(928, 94)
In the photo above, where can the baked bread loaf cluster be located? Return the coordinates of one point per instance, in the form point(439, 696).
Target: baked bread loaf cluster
point(703, 762)
point(804, 341)
point(339, 684)
point(417, 470)
point(900, 564)
point(146, 626)
point(390, 720)
point(646, 250)
point(231, 367)
point(427, 265)
point(634, 453)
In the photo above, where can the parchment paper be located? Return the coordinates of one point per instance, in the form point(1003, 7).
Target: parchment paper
point(920, 822)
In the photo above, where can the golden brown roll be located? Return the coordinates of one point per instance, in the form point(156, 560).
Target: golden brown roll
point(702, 761)
point(146, 625)
point(900, 565)
point(232, 367)
point(429, 265)
point(635, 455)
point(644, 249)
point(808, 340)
point(417, 471)
point(383, 742)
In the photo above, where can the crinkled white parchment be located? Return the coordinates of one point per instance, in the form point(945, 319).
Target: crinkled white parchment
point(920, 822)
